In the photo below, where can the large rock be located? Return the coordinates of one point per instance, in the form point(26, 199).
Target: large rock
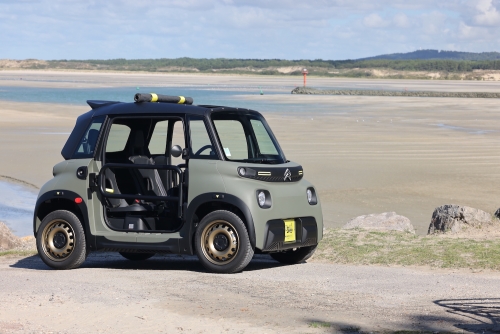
point(7, 239)
point(497, 213)
point(387, 221)
point(454, 218)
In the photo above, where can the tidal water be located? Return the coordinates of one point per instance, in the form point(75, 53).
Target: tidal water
point(16, 207)
point(208, 94)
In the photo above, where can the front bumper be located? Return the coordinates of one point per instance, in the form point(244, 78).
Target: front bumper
point(306, 230)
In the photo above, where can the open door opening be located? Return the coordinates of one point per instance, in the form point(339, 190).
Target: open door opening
point(141, 186)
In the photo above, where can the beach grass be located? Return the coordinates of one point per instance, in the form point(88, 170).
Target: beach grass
point(15, 252)
point(406, 249)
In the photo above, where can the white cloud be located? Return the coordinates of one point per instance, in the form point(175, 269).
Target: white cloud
point(488, 14)
point(401, 21)
point(375, 21)
point(328, 29)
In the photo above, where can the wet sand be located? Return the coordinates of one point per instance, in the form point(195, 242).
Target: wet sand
point(364, 154)
point(90, 79)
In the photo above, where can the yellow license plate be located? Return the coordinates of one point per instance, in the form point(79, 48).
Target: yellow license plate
point(289, 230)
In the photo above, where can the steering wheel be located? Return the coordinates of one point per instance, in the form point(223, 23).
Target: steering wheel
point(206, 147)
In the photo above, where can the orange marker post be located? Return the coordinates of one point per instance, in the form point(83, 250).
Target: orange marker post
point(305, 72)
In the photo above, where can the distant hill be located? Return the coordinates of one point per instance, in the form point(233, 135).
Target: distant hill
point(437, 54)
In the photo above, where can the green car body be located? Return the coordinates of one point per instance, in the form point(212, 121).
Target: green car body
point(207, 190)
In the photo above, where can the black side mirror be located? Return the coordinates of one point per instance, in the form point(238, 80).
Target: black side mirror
point(176, 151)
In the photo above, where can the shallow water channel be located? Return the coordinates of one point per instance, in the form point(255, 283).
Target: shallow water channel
point(16, 207)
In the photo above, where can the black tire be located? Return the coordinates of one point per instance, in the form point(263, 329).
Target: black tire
point(222, 243)
point(291, 256)
point(60, 240)
point(137, 256)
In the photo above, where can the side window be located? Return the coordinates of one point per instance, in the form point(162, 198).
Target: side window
point(266, 145)
point(159, 138)
point(117, 138)
point(232, 138)
point(89, 140)
point(201, 146)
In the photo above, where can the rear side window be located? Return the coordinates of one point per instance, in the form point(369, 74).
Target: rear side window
point(117, 138)
point(88, 142)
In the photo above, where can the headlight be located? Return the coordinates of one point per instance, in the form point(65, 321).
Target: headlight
point(264, 199)
point(242, 171)
point(311, 196)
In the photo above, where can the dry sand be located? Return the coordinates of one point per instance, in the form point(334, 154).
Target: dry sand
point(364, 154)
point(172, 294)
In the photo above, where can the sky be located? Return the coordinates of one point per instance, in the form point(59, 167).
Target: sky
point(262, 29)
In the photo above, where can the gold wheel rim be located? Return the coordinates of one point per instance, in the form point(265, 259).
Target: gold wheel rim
point(58, 228)
point(213, 230)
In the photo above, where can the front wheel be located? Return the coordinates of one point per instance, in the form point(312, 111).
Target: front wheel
point(60, 240)
point(294, 256)
point(222, 243)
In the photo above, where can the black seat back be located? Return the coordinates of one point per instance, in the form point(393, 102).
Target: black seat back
point(151, 177)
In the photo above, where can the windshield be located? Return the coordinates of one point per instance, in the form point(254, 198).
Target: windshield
point(247, 138)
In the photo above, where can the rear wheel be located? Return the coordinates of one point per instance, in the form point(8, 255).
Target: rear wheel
point(61, 240)
point(222, 243)
point(137, 256)
point(294, 256)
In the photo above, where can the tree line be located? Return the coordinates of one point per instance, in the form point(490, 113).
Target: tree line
point(318, 65)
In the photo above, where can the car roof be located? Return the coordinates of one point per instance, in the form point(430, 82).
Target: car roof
point(100, 108)
point(115, 108)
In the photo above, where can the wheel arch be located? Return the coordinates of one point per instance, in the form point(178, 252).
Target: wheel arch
point(203, 204)
point(62, 200)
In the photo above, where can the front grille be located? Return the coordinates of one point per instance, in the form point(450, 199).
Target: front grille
point(274, 174)
point(295, 178)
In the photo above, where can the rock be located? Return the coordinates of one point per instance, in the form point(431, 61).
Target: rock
point(497, 213)
point(387, 221)
point(313, 91)
point(454, 218)
point(7, 239)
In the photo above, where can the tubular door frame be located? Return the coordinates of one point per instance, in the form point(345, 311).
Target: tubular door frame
point(176, 169)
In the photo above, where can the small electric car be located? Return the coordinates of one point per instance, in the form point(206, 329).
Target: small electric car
point(164, 176)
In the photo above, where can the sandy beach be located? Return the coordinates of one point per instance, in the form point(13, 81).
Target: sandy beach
point(364, 154)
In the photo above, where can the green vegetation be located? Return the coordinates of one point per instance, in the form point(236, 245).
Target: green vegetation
point(395, 248)
point(320, 324)
point(18, 252)
point(421, 64)
point(318, 66)
point(438, 54)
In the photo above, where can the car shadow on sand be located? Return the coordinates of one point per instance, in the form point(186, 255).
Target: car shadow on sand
point(107, 260)
point(480, 315)
point(483, 314)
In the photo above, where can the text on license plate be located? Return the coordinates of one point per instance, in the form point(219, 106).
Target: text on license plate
point(289, 230)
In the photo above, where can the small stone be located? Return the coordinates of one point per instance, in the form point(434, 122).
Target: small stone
point(387, 221)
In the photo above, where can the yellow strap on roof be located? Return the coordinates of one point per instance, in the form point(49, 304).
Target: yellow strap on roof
point(182, 99)
point(154, 97)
